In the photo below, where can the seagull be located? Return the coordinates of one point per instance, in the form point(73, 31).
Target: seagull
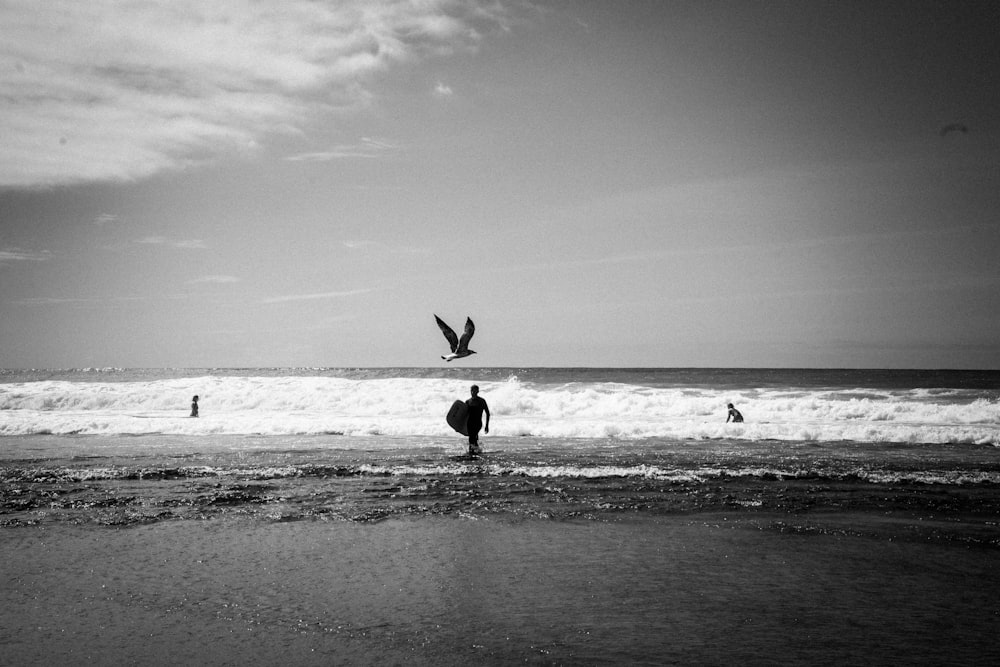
point(954, 127)
point(459, 348)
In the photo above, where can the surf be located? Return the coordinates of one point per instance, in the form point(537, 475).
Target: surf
point(415, 406)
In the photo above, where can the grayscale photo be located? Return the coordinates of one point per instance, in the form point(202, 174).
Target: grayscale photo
point(499, 332)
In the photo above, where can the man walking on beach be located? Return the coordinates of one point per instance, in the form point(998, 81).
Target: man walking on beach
point(477, 406)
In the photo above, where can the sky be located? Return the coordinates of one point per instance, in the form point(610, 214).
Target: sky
point(632, 183)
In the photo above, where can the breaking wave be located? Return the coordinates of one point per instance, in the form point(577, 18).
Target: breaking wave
point(415, 406)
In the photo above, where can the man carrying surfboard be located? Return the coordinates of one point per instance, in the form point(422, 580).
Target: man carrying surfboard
point(477, 406)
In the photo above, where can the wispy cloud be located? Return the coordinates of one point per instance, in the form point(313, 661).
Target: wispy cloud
point(354, 245)
point(186, 244)
point(19, 255)
point(48, 301)
point(106, 91)
point(366, 148)
point(220, 280)
point(443, 90)
point(105, 219)
point(397, 250)
point(311, 297)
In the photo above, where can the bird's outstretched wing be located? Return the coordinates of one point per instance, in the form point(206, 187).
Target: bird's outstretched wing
point(470, 329)
point(449, 334)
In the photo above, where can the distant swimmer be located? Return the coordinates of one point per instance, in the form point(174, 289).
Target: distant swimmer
point(477, 406)
point(459, 348)
point(734, 414)
point(194, 406)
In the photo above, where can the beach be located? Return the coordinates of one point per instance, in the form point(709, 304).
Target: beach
point(130, 536)
point(717, 280)
point(691, 590)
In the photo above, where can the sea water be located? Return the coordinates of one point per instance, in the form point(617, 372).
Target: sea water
point(320, 516)
point(641, 426)
point(553, 405)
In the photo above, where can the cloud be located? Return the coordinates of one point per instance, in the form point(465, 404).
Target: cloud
point(214, 279)
point(110, 91)
point(310, 297)
point(366, 148)
point(443, 90)
point(18, 255)
point(187, 244)
point(48, 301)
point(398, 250)
point(105, 218)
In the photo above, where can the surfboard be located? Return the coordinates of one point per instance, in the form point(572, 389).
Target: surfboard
point(458, 417)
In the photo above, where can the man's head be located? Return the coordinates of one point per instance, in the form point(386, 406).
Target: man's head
point(475, 390)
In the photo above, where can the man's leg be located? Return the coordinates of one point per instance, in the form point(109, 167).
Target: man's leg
point(473, 440)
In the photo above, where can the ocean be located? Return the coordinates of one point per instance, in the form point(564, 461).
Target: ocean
point(326, 516)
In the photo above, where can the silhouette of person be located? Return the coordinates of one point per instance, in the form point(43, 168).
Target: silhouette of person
point(477, 406)
point(734, 414)
point(194, 406)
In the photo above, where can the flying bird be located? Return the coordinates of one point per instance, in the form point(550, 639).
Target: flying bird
point(954, 127)
point(459, 348)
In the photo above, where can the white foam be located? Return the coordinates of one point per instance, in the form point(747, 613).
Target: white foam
point(651, 472)
point(416, 407)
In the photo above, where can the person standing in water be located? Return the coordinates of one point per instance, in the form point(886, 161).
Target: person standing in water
point(194, 406)
point(734, 414)
point(477, 406)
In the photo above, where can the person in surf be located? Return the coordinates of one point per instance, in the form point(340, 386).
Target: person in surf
point(734, 414)
point(477, 407)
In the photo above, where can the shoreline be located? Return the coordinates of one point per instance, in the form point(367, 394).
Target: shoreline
point(275, 489)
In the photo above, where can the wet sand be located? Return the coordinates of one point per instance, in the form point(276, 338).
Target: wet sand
point(711, 588)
